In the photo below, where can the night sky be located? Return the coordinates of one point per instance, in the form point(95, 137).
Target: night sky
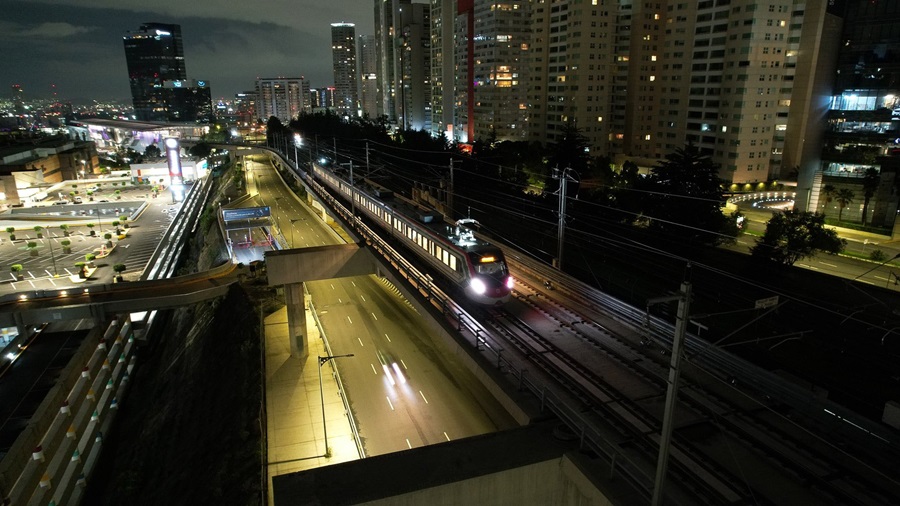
point(77, 44)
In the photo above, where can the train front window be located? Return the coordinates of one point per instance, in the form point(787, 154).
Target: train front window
point(489, 265)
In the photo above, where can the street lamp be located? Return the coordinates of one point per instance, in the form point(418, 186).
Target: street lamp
point(52, 256)
point(292, 229)
point(322, 361)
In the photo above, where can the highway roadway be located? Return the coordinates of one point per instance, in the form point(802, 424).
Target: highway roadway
point(429, 397)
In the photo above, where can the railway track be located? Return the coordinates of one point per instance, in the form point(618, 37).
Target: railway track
point(730, 446)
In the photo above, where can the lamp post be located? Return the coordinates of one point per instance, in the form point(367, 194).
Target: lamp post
point(292, 229)
point(322, 361)
point(52, 256)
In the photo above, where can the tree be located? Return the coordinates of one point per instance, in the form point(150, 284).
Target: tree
point(200, 150)
point(90, 227)
point(569, 152)
point(684, 196)
point(65, 228)
point(829, 192)
point(152, 151)
point(844, 198)
point(39, 230)
point(871, 180)
point(793, 235)
point(12, 233)
point(32, 248)
point(66, 245)
point(119, 269)
point(16, 269)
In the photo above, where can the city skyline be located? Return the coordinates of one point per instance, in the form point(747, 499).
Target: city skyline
point(75, 48)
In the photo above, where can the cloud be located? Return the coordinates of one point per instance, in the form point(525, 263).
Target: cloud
point(55, 30)
point(78, 51)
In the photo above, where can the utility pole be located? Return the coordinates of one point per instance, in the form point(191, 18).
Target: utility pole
point(450, 190)
point(368, 168)
point(665, 439)
point(564, 178)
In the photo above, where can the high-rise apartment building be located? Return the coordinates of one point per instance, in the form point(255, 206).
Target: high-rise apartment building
point(385, 63)
point(413, 53)
point(737, 78)
point(443, 68)
point(343, 57)
point(282, 97)
point(368, 76)
point(153, 54)
point(491, 70)
point(402, 45)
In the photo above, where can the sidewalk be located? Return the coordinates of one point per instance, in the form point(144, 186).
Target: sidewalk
point(294, 410)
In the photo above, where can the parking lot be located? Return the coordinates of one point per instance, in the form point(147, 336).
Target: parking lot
point(49, 261)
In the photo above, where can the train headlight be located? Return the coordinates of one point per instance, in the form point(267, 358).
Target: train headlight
point(509, 282)
point(478, 286)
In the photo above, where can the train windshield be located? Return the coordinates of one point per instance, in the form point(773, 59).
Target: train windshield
point(489, 265)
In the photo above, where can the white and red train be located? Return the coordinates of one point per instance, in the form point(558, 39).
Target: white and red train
point(470, 262)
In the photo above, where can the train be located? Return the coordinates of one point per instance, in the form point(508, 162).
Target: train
point(452, 249)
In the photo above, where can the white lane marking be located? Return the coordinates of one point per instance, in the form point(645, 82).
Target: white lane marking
point(360, 342)
point(829, 265)
point(423, 397)
point(373, 369)
point(373, 316)
point(404, 364)
point(340, 300)
point(349, 320)
point(388, 338)
point(391, 404)
point(407, 444)
point(879, 277)
point(446, 436)
point(352, 282)
point(332, 286)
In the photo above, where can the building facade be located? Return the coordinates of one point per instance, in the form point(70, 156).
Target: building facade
point(403, 36)
point(153, 54)
point(862, 124)
point(188, 101)
point(413, 53)
point(742, 80)
point(443, 68)
point(343, 58)
point(501, 52)
point(368, 76)
point(282, 97)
